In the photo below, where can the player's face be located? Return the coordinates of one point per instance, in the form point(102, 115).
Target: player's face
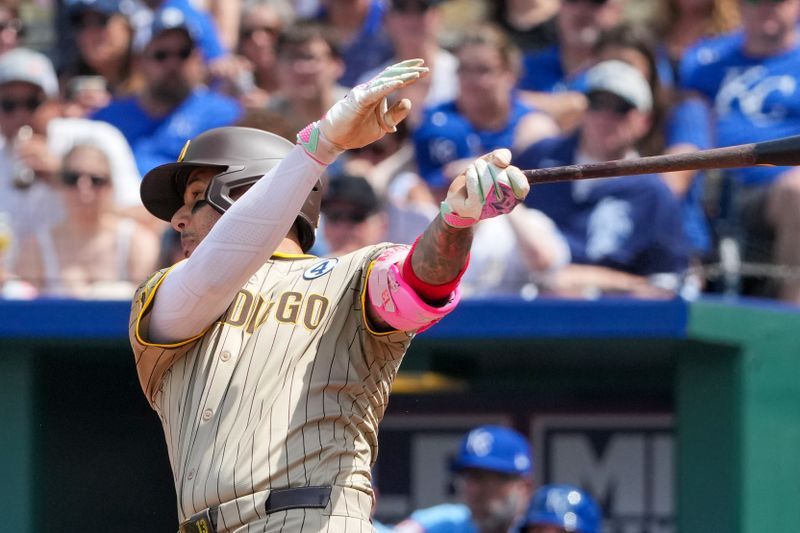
point(196, 217)
point(494, 499)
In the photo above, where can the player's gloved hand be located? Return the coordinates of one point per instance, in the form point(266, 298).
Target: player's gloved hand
point(363, 116)
point(489, 187)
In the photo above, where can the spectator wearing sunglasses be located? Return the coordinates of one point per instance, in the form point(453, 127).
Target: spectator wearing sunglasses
point(172, 105)
point(625, 234)
point(352, 215)
point(94, 252)
point(36, 135)
point(103, 34)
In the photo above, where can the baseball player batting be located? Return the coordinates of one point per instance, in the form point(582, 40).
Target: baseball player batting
point(270, 369)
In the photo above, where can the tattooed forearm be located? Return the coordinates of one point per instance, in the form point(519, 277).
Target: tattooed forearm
point(441, 252)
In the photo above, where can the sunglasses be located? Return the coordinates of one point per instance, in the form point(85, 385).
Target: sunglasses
point(13, 25)
point(9, 105)
point(160, 56)
point(248, 33)
point(410, 7)
point(354, 217)
point(71, 178)
point(614, 104)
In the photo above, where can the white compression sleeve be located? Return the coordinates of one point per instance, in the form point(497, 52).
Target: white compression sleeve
point(197, 291)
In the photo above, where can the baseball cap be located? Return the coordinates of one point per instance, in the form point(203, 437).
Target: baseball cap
point(23, 64)
point(167, 18)
point(353, 190)
point(623, 80)
point(443, 137)
point(495, 448)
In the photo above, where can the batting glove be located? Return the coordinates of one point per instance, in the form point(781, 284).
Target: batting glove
point(363, 116)
point(489, 187)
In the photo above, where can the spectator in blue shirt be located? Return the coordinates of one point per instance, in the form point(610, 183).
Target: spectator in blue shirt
point(486, 115)
point(621, 231)
point(751, 78)
point(679, 124)
point(493, 471)
point(172, 106)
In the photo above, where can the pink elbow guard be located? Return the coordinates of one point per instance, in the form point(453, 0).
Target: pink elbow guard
point(395, 301)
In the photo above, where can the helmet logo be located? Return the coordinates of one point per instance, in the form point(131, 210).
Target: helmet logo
point(183, 151)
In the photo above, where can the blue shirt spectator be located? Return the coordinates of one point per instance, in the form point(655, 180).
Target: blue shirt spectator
point(755, 98)
point(751, 78)
point(171, 107)
point(157, 140)
point(628, 224)
point(632, 224)
point(487, 114)
point(445, 135)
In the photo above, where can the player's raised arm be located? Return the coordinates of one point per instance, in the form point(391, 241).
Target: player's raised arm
point(411, 289)
point(243, 234)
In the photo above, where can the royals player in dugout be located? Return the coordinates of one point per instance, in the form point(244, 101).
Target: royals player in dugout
point(270, 369)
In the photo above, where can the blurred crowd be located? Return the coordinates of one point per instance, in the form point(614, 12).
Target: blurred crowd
point(124, 83)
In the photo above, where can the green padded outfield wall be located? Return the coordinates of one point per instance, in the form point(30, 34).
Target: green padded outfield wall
point(739, 399)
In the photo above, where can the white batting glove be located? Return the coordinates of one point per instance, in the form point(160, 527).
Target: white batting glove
point(490, 186)
point(363, 116)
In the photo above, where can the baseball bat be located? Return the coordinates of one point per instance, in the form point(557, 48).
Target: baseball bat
point(779, 152)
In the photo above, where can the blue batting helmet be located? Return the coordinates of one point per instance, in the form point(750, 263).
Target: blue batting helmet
point(564, 506)
point(495, 448)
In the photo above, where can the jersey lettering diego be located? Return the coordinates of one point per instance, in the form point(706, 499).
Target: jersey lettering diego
point(286, 389)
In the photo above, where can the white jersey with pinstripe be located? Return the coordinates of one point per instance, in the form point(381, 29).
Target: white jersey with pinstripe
point(286, 389)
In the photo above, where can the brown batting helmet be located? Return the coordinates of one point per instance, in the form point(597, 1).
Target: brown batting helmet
point(242, 156)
